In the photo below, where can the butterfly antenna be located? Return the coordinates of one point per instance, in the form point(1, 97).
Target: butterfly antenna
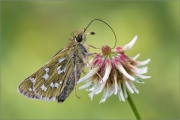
point(107, 25)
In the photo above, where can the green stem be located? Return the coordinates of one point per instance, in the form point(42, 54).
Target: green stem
point(133, 107)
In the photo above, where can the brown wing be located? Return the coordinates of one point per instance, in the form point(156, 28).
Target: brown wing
point(48, 82)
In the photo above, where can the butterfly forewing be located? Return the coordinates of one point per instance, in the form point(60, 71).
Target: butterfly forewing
point(47, 82)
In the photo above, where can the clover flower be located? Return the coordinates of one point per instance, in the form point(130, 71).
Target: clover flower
point(115, 72)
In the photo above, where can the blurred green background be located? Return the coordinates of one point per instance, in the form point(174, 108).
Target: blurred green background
point(34, 31)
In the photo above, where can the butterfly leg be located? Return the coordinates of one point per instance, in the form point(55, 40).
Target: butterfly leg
point(84, 72)
point(93, 47)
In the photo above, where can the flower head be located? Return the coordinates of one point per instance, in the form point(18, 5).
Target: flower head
point(114, 71)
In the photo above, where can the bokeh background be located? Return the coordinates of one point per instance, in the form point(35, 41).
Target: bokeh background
point(34, 31)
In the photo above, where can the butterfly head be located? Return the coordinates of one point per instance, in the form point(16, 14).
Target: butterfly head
point(79, 36)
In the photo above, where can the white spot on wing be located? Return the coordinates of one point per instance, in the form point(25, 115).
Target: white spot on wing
point(52, 85)
point(30, 89)
point(44, 88)
point(48, 98)
point(56, 85)
point(64, 70)
point(47, 70)
point(46, 76)
point(59, 70)
point(45, 98)
point(53, 98)
point(61, 59)
point(32, 80)
point(60, 82)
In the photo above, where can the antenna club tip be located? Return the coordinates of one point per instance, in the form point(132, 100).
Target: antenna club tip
point(92, 33)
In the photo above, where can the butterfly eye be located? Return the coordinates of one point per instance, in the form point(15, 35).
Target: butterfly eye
point(79, 38)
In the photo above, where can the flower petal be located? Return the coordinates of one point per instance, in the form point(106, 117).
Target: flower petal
point(137, 70)
point(106, 76)
point(139, 81)
point(135, 57)
point(86, 85)
point(125, 92)
point(100, 88)
point(143, 76)
point(90, 89)
point(90, 74)
point(120, 93)
point(103, 98)
point(123, 71)
point(96, 86)
point(133, 87)
point(129, 87)
point(140, 63)
point(115, 84)
point(129, 45)
point(91, 96)
point(108, 91)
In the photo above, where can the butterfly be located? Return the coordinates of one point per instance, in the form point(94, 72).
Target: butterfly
point(58, 77)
